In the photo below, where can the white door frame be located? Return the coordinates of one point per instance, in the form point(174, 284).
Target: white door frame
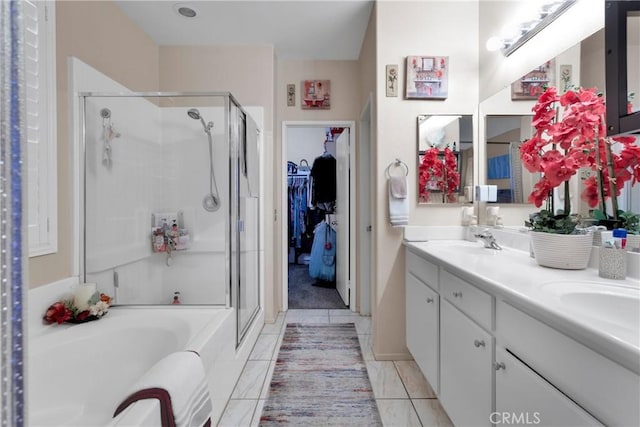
point(284, 250)
point(364, 235)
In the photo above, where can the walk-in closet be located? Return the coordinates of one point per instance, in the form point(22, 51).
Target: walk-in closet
point(312, 231)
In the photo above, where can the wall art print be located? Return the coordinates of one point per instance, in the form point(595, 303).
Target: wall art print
point(565, 81)
point(427, 77)
point(291, 95)
point(534, 83)
point(316, 94)
point(392, 80)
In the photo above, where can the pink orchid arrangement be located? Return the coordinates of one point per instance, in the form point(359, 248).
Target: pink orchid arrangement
point(570, 134)
point(438, 173)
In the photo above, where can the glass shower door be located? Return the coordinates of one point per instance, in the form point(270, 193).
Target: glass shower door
point(245, 171)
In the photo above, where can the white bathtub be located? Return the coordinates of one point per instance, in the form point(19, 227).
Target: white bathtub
point(78, 374)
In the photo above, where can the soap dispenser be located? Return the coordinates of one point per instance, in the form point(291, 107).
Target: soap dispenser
point(472, 229)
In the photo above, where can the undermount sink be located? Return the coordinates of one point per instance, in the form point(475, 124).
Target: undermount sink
point(466, 247)
point(615, 304)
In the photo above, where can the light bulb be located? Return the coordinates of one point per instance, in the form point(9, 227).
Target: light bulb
point(494, 43)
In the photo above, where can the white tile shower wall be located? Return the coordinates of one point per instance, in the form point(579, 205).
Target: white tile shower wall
point(198, 273)
point(198, 276)
point(185, 166)
point(119, 197)
point(148, 174)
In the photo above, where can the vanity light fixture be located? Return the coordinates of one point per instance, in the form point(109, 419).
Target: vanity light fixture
point(515, 36)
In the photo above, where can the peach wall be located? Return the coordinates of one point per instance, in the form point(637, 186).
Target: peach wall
point(87, 30)
point(248, 72)
point(345, 106)
point(413, 28)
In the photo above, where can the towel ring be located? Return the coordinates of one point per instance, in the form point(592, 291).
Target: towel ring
point(398, 163)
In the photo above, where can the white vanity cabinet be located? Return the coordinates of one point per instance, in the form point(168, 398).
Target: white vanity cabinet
point(423, 317)
point(465, 368)
point(494, 360)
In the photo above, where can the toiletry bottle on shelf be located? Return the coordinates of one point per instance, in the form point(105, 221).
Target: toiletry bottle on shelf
point(620, 238)
point(176, 298)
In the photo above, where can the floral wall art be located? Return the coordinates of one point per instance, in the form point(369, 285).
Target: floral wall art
point(427, 77)
point(316, 94)
point(535, 82)
point(392, 80)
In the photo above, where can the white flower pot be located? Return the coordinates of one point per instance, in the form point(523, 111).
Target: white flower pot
point(564, 251)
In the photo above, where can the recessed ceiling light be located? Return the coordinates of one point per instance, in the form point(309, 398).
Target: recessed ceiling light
point(185, 10)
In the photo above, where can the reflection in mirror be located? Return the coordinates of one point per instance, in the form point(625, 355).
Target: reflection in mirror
point(445, 158)
point(504, 135)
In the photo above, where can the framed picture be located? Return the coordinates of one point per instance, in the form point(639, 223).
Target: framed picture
point(427, 77)
point(392, 80)
point(316, 94)
point(291, 95)
point(565, 79)
point(534, 83)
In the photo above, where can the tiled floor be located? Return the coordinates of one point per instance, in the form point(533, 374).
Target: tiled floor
point(404, 397)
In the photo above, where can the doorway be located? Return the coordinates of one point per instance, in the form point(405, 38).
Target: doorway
point(317, 253)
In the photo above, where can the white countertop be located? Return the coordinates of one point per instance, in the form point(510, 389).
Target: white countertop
point(592, 315)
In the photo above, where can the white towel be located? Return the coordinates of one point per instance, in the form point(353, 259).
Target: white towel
point(179, 382)
point(398, 201)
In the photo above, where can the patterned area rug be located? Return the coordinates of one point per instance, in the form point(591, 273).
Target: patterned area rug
point(320, 379)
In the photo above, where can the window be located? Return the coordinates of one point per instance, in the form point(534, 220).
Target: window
point(39, 56)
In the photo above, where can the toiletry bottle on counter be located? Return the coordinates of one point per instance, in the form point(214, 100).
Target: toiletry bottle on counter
point(176, 298)
point(620, 238)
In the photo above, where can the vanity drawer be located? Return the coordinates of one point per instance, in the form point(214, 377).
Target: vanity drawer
point(609, 391)
point(475, 303)
point(521, 392)
point(424, 270)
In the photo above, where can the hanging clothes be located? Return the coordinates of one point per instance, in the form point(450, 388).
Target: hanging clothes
point(322, 264)
point(323, 174)
point(298, 186)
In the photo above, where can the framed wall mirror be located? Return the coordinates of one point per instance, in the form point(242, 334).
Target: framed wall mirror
point(445, 158)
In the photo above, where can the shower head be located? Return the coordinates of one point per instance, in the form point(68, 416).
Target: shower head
point(195, 115)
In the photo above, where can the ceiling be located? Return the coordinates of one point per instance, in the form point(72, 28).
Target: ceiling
point(302, 29)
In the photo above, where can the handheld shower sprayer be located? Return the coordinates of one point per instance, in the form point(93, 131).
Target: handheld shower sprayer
point(195, 115)
point(211, 201)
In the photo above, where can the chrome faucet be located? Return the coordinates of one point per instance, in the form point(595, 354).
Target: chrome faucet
point(488, 239)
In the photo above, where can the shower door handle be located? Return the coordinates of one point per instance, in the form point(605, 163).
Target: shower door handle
point(241, 225)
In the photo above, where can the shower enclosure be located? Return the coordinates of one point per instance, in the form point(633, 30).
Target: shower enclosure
point(172, 200)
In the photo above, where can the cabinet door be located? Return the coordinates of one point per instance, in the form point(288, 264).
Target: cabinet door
point(422, 328)
point(466, 368)
point(525, 398)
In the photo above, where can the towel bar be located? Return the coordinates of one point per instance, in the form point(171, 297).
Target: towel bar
point(397, 164)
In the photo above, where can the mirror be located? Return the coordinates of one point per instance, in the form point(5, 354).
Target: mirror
point(504, 135)
point(506, 122)
point(622, 39)
point(506, 119)
point(445, 158)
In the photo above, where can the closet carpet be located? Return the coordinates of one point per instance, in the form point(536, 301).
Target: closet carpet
point(302, 293)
